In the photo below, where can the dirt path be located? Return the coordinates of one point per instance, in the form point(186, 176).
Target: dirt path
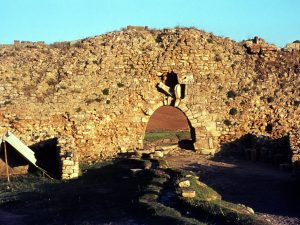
point(274, 195)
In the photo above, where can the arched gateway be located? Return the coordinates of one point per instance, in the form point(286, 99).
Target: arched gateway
point(176, 92)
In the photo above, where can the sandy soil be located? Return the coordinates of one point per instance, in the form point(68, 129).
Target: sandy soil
point(168, 118)
point(274, 195)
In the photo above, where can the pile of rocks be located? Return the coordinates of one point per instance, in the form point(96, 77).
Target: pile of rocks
point(157, 151)
point(69, 160)
point(69, 166)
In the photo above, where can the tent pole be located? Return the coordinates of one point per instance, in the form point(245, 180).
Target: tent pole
point(6, 162)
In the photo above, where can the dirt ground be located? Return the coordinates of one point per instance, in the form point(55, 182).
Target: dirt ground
point(273, 194)
point(168, 118)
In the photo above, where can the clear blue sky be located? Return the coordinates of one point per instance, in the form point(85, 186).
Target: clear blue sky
point(277, 21)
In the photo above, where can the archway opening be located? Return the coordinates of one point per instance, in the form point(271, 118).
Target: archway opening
point(169, 126)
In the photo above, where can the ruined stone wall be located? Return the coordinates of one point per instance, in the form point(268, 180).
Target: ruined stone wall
point(100, 92)
point(293, 46)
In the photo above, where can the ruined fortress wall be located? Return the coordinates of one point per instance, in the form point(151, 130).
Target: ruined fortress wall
point(96, 95)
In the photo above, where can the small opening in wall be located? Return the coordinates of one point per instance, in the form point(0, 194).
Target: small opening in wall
point(47, 154)
point(270, 99)
point(227, 122)
point(231, 94)
point(233, 111)
point(171, 80)
point(269, 128)
point(182, 91)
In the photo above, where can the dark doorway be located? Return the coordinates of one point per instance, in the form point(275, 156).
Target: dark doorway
point(171, 80)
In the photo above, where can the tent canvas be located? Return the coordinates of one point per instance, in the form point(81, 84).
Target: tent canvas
point(21, 148)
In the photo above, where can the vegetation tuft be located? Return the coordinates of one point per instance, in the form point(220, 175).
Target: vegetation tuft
point(231, 94)
point(156, 135)
point(208, 206)
point(105, 91)
point(233, 111)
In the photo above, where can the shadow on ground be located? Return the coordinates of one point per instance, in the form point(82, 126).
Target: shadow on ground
point(102, 195)
point(263, 187)
point(259, 148)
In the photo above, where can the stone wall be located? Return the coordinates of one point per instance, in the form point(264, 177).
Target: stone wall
point(295, 148)
point(97, 94)
point(293, 46)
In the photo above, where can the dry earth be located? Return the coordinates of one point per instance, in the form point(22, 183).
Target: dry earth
point(168, 118)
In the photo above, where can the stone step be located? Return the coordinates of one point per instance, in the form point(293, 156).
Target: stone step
point(207, 151)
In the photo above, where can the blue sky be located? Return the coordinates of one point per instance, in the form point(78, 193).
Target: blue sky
point(277, 21)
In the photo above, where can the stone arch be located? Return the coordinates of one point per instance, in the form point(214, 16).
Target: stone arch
point(185, 112)
point(204, 125)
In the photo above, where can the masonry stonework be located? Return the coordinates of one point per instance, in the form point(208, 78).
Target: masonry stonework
point(97, 94)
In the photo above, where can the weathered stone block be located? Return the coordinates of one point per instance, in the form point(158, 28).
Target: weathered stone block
point(185, 183)
point(188, 194)
point(68, 163)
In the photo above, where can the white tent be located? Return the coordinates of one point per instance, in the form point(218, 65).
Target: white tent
point(20, 147)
